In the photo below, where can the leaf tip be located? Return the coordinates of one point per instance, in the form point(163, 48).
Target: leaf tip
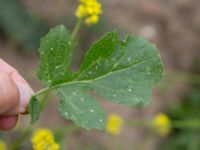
point(34, 109)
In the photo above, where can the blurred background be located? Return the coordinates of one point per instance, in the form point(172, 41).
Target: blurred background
point(172, 25)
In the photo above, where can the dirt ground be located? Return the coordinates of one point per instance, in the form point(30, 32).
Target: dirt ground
point(174, 27)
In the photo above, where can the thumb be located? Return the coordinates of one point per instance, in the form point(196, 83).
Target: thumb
point(14, 96)
point(25, 93)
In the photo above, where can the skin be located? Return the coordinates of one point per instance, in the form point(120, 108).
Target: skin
point(14, 96)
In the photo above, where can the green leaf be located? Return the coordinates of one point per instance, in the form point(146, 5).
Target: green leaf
point(55, 57)
point(34, 109)
point(77, 105)
point(120, 71)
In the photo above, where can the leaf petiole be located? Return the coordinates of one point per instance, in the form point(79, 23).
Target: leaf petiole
point(48, 89)
point(42, 91)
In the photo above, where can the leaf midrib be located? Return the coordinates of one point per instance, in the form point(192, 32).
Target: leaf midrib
point(68, 98)
point(100, 77)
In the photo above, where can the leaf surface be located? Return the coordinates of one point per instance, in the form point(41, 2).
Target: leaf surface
point(34, 109)
point(77, 105)
point(120, 71)
point(55, 57)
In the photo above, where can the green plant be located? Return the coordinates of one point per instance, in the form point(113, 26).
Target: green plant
point(185, 135)
point(121, 71)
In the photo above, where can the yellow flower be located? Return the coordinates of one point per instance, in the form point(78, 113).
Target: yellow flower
point(162, 124)
point(81, 12)
point(114, 124)
point(3, 145)
point(43, 139)
point(89, 10)
point(92, 20)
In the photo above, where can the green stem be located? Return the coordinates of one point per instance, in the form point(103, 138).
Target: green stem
point(44, 100)
point(185, 76)
point(76, 29)
point(45, 90)
point(182, 124)
point(26, 132)
point(48, 89)
point(189, 124)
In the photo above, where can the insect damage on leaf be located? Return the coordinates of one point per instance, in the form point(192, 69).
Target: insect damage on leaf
point(120, 71)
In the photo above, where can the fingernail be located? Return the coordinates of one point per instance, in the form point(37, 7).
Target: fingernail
point(25, 94)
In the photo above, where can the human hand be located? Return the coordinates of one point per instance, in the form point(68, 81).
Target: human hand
point(14, 96)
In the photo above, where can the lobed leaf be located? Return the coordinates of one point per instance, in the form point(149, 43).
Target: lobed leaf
point(77, 105)
point(55, 57)
point(120, 71)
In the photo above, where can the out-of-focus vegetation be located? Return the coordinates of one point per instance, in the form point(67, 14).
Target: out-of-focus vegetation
point(186, 134)
point(19, 25)
point(26, 28)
